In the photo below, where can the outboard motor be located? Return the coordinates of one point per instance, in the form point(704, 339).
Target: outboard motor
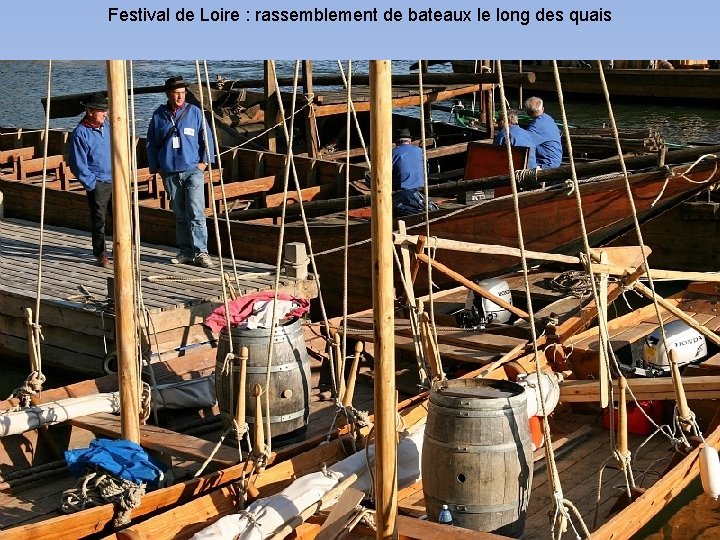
point(480, 311)
point(689, 344)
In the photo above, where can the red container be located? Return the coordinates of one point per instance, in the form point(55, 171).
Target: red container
point(637, 422)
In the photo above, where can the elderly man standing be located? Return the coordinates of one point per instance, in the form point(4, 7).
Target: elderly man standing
point(89, 160)
point(545, 133)
point(177, 150)
point(518, 137)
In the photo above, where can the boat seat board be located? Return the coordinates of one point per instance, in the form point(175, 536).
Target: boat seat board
point(8, 156)
point(162, 440)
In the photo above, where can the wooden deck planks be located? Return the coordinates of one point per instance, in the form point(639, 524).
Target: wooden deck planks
point(74, 311)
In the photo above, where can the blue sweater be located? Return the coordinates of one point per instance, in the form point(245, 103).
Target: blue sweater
point(518, 137)
point(407, 167)
point(162, 157)
point(89, 154)
point(546, 135)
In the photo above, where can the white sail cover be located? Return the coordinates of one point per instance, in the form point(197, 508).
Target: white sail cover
point(16, 422)
point(265, 516)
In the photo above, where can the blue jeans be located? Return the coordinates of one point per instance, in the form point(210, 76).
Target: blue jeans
point(187, 199)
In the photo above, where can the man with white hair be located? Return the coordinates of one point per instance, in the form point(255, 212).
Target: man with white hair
point(545, 134)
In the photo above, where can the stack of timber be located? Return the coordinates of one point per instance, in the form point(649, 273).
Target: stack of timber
point(76, 309)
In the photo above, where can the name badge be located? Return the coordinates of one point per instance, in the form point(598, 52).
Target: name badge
point(176, 142)
point(190, 132)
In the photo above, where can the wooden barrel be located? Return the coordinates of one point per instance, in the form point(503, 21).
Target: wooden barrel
point(289, 389)
point(477, 456)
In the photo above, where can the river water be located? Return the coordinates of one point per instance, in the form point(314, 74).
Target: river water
point(23, 84)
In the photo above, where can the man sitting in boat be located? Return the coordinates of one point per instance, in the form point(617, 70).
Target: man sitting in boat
point(89, 160)
point(176, 150)
point(408, 176)
point(545, 134)
point(518, 137)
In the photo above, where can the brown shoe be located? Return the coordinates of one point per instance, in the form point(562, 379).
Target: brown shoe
point(103, 261)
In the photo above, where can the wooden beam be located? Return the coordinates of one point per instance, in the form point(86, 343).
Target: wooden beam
point(704, 387)
point(125, 305)
point(383, 301)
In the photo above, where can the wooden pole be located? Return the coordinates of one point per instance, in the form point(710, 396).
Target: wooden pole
point(352, 377)
point(683, 409)
point(242, 382)
point(622, 440)
point(271, 104)
point(383, 299)
point(311, 132)
point(125, 336)
point(602, 336)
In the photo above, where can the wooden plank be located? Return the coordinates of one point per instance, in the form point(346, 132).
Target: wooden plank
point(32, 166)
point(705, 387)
point(307, 194)
point(163, 440)
point(8, 156)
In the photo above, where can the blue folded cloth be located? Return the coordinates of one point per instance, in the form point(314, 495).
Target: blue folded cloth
point(122, 459)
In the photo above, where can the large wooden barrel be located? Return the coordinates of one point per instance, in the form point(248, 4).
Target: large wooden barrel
point(477, 456)
point(289, 389)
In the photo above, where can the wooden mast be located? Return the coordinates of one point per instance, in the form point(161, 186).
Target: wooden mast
point(125, 341)
point(383, 299)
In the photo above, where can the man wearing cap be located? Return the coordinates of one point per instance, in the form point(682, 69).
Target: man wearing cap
point(408, 176)
point(178, 151)
point(89, 160)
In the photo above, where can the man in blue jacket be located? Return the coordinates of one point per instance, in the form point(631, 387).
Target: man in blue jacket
point(177, 150)
point(545, 133)
point(408, 176)
point(518, 137)
point(89, 160)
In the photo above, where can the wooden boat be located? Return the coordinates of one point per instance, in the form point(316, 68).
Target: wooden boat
point(184, 519)
point(580, 444)
point(549, 216)
point(685, 84)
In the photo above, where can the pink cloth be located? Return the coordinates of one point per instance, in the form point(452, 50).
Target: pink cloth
point(241, 308)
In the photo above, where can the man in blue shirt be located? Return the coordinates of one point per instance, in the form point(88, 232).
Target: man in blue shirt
point(408, 176)
point(89, 160)
point(518, 137)
point(177, 150)
point(545, 133)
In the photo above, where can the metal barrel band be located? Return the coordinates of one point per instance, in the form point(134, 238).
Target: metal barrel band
point(281, 418)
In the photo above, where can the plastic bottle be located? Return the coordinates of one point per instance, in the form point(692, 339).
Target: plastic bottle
point(445, 516)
